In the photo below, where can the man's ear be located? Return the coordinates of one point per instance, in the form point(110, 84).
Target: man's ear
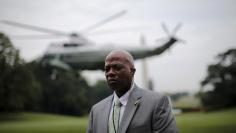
point(132, 70)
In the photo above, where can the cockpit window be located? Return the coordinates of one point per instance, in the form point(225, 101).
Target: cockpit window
point(71, 45)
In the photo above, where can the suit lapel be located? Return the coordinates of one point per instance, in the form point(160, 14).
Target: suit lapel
point(105, 113)
point(131, 107)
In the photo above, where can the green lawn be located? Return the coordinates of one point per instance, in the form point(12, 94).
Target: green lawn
point(214, 122)
point(42, 123)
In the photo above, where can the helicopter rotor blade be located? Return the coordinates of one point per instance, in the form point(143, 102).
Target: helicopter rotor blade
point(34, 28)
point(121, 30)
point(35, 37)
point(119, 14)
point(176, 29)
point(165, 29)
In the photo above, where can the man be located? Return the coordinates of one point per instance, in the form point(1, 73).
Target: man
point(130, 109)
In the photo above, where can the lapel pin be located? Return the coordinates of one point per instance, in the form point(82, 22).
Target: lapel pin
point(137, 102)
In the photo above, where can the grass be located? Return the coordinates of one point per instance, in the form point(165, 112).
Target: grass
point(42, 123)
point(215, 122)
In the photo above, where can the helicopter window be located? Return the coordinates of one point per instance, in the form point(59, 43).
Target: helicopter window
point(64, 56)
point(71, 44)
point(49, 56)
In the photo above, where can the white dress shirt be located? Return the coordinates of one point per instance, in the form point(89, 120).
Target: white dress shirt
point(123, 99)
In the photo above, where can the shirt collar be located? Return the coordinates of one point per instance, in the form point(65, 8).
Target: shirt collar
point(124, 99)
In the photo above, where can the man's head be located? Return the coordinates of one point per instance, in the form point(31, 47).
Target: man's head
point(119, 71)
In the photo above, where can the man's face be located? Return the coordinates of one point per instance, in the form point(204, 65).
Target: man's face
point(118, 73)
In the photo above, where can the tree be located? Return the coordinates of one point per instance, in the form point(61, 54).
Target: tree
point(98, 92)
point(36, 87)
point(222, 77)
point(17, 84)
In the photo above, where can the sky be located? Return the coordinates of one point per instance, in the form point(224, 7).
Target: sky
point(208, 28)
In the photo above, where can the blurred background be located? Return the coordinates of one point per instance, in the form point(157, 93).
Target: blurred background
point(52, 56)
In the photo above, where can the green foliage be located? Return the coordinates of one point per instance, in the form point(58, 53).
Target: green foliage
point(36, 86)
point(99, 91)
point(177, 96)
point(222, 76)
point(17, 85)
point(67, 93)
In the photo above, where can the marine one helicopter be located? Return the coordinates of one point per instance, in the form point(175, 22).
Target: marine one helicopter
point(81, 54)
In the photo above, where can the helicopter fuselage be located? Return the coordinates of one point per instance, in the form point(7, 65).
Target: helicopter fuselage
point(91, 57)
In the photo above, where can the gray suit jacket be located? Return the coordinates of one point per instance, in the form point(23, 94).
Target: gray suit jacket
point(145, 112)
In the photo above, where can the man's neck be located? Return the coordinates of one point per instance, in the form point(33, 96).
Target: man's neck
point(121, 93)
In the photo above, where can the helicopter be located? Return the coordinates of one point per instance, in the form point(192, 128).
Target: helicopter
point(81, 54)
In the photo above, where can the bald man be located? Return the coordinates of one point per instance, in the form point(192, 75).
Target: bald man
point(129, 109)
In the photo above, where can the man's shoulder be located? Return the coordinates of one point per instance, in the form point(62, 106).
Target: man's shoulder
point(103, 102)
point(147, 92)
point(153, 99)
point(151, 95)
